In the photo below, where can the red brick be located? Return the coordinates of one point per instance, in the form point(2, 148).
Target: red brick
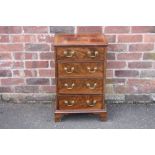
point(110, 56)
point(138, 82)
point(143, 29)
point(19, 56)
point(37, 47)
point(53, 81)
point(4, 38)
point(47, 55)
point(130, 89)
point(89, 29)
point(26, 89)
point(123, 89)
point(24, 73)
point(23, 38)
point(18, 64)
point(45, 38)
point(129, 38)
point(5, 89)
point(5, 56)
point(153, 63)
point(6, 64)
point(62, 29)
point(47, 89)
point(10, 29)
point(109, 89)
point(141, 47)
point(116, 64)
point(52, 64)
point(126, 73)
point(18, 73)
point(11, 47)
point(111, 38)
point(52, 47)
point(22, 56)
point(37, 81)
point(12, 81)
point(109, 73)
point(35, 29)
point(147, 73)
point(115, 81)
point(31, 56)
point(36, 64)
point(5, 73)
point(149, 38)
point(30, 73)
point(142, 85)
point(129, 56)
point(140, 64)
point(117, 47)
point(46, 73)
point(149, 56)
point(117, 29)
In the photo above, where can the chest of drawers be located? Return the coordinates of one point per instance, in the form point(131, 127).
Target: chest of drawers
point(80, 63)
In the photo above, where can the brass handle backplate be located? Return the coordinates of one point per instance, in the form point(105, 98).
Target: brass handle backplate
point(92, 70)
point(71, 70)
point(69, 54)
point(92, 54)
point(69, 103)
point(69, 86)
point(91, 103)
point(91, 86)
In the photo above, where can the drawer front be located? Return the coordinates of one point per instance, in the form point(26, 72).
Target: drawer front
point(80, 53)
point(92, 69)
point(80, 86)
point(74, 102)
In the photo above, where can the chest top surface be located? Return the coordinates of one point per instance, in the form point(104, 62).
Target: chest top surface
point(80, 39)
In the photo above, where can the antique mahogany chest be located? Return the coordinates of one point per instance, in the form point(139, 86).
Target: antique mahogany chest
point(80, 69)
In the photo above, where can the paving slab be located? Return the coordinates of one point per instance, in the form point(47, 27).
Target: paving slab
point(41, 116)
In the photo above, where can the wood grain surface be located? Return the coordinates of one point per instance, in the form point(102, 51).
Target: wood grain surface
point(80, 69)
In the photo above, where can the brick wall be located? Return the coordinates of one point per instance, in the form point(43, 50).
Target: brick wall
point(27, 63)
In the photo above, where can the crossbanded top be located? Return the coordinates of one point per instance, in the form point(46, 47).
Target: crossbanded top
point(80, 39)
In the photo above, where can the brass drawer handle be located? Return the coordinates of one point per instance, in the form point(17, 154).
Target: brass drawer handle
point(69, 87)
point(69, 71)
point(91, 86)
point(69, 103)
point(69, 54)
point(92, 70)
point(92, 54)
point(91, 104)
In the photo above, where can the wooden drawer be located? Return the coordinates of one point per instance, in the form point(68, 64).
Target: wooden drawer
point(91, 69)
point(80, 63)
point(80, 86)
point(74, 102)
point(80, 53)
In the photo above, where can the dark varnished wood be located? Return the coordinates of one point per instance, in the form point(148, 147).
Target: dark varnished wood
point(84, 69)
point(80, 102)
point(80, 86)
point(80, 39)
point(81, 53)
point(101, 113)
point(80, 59)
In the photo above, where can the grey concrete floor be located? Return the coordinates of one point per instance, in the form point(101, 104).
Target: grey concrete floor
point(35, 116)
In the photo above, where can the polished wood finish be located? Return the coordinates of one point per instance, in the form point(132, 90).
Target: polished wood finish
point(80, 39)
point(80, 74)
point(80, 86)
point(81, 53)
point(74, 102)
point(80, 69)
